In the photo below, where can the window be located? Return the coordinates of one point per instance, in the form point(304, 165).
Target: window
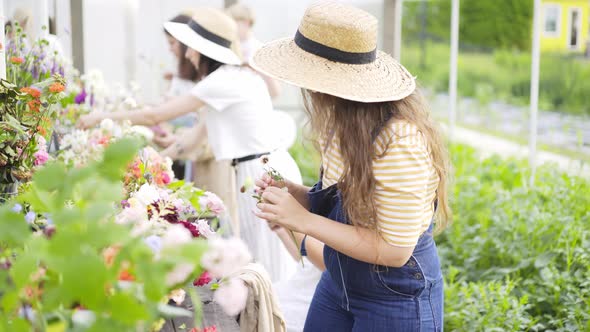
point(551, 22)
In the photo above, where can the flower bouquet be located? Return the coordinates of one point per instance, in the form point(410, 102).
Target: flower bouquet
point(92, 271)
point(25, 118)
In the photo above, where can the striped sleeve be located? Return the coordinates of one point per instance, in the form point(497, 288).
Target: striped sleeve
point(404, 193)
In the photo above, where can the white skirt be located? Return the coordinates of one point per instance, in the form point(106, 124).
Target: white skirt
point(265, 246)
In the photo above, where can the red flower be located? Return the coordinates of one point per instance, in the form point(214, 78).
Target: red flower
point(203, 280)
point(212, 328)
point(56, 87)
point(191, 227)
point(104, 140)
point(17, 60)
point(126, 276)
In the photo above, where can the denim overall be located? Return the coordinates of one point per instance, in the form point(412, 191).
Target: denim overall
point(363, 297)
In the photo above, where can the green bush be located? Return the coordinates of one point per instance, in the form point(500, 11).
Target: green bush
point(536, 239)
point(503, 75)
point(515, 258)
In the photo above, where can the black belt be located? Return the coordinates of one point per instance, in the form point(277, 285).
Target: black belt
point(236, 161)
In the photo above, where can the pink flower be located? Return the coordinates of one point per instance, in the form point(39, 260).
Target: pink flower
point(231, 296)
point(204, 228)
point(204, 279)
point(225, 256)
point(41, 157)
point(212, 202)
point(180, 273)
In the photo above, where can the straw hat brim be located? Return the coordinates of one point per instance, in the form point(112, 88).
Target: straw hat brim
point(184, 34)
point(384, 79)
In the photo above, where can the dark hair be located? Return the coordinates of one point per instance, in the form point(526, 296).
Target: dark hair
point(186, 70)
point(207, 66)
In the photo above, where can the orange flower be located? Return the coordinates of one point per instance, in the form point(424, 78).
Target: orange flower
point(33, 92)
point(56, 87)
point(34, 105)
point(109, 254)
point(17, 60)
point(126, 276)
point(41, 130)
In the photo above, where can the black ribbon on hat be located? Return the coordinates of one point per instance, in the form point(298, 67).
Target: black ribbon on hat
point(334, 54)
point(201, 31)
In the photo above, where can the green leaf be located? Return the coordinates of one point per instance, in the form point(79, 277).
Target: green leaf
point(13, 227)
point(117, 156)
point(83, 279)
point(127, 309)
point(22, 269)
point(544, 259)
point(50, 177)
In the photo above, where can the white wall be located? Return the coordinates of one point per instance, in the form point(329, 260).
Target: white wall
point(106, 41)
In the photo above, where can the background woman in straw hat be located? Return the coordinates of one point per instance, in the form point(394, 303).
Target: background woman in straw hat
point(236, 108)
point(384, 171)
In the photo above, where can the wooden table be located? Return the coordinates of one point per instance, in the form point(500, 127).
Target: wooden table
point(212, 315)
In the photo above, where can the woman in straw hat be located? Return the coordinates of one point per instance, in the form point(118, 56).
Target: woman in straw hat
point(237, 112)
point(384, 175)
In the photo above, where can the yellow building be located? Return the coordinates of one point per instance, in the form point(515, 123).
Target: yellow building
point(565, 25)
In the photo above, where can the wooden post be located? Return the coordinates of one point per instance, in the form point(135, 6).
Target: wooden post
point(392, 27)
point(534, 104)
point(43, 17)
point(228, 3)
point(77, 30)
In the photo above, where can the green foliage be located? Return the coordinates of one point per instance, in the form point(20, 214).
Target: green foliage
point(485, 24)
point(54, 274)
point(527, 247)
point(308, 160)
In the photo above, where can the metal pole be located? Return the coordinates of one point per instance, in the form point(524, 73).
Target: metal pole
point(535, 64)
point(2, 42)
point(397, 36)
point(453, 68)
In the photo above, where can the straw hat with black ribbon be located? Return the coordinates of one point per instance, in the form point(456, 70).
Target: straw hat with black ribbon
point(335, 52)
point(212, 33)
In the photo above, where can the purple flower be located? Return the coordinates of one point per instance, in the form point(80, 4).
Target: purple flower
point(92, 99)
point(17, 208)
point(81, 97)
point(125, 204)
point(30, 217)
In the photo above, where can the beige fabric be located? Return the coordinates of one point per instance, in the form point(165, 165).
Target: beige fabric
point(345, 29)
point(219, 177)
point(262, 312)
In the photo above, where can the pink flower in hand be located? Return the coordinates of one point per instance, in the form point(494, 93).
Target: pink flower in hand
point(212, 202)
point(41, 157)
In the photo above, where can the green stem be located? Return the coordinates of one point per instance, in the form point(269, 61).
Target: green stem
point(297, 246)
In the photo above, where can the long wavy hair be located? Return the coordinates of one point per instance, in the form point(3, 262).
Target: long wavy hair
point(356, 126)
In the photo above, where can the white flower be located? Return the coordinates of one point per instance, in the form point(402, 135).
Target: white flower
point(225, 256)
point(143, 132)
point(176, 235)
point(180, 273)
point(130, 103)
point(41, 143)
point(204, 228)
point(132, 214)
point(83, 318)
point(177, 296)
point(107, 125)
point(231, 296)
point(147, 194)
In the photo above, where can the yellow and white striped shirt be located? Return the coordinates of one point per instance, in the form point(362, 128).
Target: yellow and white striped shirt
point(406, 181)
